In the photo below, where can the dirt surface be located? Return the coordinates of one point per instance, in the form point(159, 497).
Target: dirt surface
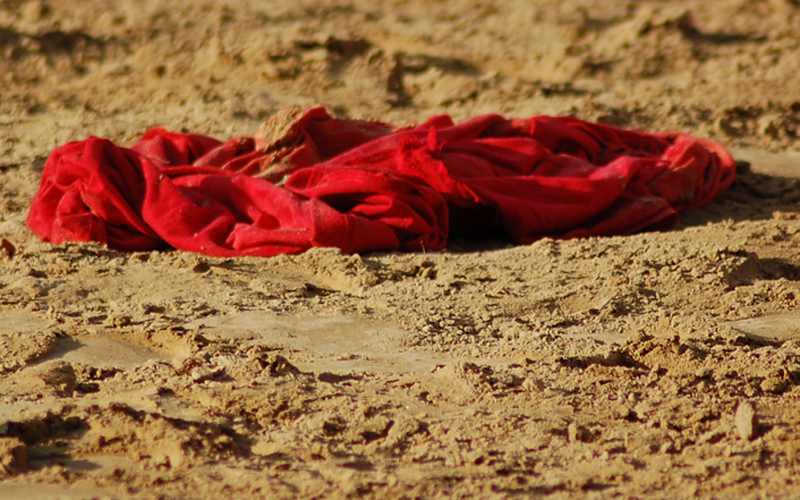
point(660, 365)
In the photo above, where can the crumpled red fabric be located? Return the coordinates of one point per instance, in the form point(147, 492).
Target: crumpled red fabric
point(307, 179)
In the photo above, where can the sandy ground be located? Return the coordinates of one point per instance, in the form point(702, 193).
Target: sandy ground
point(660, 365)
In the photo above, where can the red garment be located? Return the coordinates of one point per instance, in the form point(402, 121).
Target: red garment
point(366, 186)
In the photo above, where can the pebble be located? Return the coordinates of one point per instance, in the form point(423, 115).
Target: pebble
point(578, 433)
point(58, 374)
point(622, 412)
point(531, 385)
point(746, 420)
point(13, 456)
point(774, 385)
point(769, 126)
point(32, 11)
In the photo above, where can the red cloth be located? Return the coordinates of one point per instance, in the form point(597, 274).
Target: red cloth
point(308, 179)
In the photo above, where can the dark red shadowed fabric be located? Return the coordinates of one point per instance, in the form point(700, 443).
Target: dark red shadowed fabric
point(307, 179)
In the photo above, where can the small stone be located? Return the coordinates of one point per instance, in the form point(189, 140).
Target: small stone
point(746, 420)
point(531, 385)
point(704, 372)
point(8, 249)
point(774, 385)
point(572, 432)
point(202, 374)
point(578, 433)
point(58, 374)
point(33, 11)
point(622, 412)
point(769, 126)
point(13, 456)
point(117, 321)
point(639, 336)
point(667, 447)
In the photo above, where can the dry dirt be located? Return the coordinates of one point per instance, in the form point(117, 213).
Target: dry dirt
point(660, 365)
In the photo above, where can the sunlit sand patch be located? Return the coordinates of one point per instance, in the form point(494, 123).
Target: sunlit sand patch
point(771, 329)
point(783, 164)
point(341, 343)
point(21, 321)
point(104, 352)
point(15, 491)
